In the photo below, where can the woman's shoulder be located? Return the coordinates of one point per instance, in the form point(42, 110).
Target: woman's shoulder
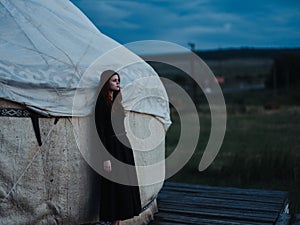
point(101, 104)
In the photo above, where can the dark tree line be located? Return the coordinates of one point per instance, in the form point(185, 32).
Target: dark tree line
point(285, 72)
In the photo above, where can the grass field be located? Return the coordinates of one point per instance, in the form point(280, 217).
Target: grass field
point(261, 149)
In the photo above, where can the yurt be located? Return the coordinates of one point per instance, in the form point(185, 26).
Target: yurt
point(51, 59)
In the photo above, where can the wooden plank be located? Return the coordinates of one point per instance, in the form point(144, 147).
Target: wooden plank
point(229, 195)
point(224, 208)
point(270, 202)
point(198, 204)
point(221, 214)
point(165, 218)
point(207, 201)
point(224, 191)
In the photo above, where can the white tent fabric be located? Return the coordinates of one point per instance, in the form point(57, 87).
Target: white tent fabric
point(46, 49)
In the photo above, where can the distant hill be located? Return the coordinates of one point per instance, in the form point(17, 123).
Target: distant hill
point(223, 54)
point(256, 65)
point(240, 69)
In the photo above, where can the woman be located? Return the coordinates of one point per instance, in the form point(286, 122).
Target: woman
point(117, 201)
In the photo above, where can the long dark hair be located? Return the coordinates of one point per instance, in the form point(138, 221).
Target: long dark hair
point(104, 84)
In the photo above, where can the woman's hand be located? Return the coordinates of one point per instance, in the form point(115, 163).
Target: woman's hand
point(107, 165)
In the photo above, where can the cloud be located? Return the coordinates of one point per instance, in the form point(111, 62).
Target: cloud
point(207, 23)
point(207, 30)
point(105, 14)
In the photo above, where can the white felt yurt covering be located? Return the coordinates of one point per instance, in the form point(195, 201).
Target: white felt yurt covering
point(51, 58)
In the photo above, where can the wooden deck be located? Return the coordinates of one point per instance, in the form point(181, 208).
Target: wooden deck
point(197, 204)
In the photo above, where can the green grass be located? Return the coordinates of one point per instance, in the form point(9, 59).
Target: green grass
point(263, 96)
point(261, 150)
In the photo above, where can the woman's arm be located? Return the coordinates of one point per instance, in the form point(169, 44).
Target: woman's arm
point(100, 112)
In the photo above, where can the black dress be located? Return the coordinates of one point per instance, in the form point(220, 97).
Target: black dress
point(117, 201)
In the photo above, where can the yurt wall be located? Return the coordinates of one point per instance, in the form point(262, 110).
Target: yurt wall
point(52, 183)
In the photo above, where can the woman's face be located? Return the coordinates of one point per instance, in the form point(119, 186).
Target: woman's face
point(114, 83)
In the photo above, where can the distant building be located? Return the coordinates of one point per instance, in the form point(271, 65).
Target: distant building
point(233, 72)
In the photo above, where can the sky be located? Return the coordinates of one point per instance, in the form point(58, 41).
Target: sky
point(209, 24)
